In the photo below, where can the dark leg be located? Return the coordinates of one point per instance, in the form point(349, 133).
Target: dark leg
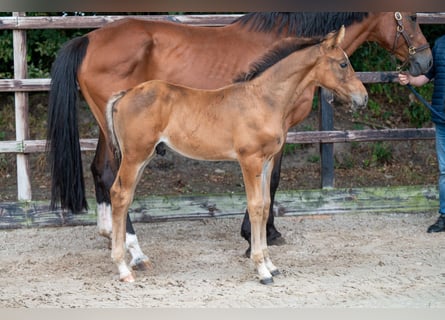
point(103, 176)
point(104, 171)
point(273, 235)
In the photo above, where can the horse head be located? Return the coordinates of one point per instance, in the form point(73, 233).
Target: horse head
point(400, 34)
point(335, 72)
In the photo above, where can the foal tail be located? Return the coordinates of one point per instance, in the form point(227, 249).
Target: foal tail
point(110, 122)
point(63, 147)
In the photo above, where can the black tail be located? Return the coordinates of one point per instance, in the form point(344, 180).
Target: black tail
point(63, 145)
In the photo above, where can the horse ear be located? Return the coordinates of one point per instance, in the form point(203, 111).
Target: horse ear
point(340, 35)
point(334, 38)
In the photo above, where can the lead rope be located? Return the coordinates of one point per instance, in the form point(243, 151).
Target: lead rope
point(419, 97)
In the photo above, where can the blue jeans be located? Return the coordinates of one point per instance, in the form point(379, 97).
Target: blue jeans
point(440, 150)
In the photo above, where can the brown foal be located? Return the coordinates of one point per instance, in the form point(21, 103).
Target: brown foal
point(245, 122)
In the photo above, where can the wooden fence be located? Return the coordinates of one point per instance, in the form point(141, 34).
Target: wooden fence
point(20, 85)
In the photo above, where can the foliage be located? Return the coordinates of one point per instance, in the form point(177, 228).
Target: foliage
point(416, 112)
point(381, 153)
point(6, 117)
point(42, 46)
point(384, 98)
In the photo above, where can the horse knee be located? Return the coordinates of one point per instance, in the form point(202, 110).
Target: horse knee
point(119, 197)
point(255, 209)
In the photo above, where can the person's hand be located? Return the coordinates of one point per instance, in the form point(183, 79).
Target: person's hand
point(404, 78)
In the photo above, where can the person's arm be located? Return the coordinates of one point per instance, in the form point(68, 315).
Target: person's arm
point(406, 78)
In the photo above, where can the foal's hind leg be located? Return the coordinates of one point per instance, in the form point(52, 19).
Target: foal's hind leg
point(122, 193)
point(104, 167)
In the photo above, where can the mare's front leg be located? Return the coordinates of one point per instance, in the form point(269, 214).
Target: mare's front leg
point(104, 168)
point(273, 235)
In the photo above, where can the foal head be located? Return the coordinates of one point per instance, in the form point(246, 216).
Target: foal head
point(334, 72)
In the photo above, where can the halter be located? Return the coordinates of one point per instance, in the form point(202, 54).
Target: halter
point(412, 50)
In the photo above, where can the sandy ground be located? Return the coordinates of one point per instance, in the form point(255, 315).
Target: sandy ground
point(354, 260)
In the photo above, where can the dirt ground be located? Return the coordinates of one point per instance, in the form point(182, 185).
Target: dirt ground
point(356, 260)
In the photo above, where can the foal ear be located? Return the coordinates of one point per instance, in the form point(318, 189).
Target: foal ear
point(333, 39)
point(340, 35)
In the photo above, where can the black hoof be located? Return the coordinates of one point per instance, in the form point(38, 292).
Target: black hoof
point(247, 253)
point(142, 266)
point(275, 272)
point(266, 281)
point(160, 149)
point(276, 241)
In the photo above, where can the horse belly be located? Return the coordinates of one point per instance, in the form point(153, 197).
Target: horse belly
point(200, 146)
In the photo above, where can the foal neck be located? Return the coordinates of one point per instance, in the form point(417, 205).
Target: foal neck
point(284, 82)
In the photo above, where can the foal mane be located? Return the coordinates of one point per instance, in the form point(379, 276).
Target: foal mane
point(280, 51)
point(300, 24)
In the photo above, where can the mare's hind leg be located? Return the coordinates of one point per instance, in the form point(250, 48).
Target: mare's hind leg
point(273, 235)
point(103, 169)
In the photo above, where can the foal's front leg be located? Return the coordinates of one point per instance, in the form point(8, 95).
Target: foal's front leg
point(273, 235)
point(256, 181)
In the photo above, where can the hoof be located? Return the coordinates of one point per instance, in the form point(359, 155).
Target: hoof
point(277, 241)
point(247, 253)
point(128, 278)
point(266, 281)
point(275, 272)
point(142, 265)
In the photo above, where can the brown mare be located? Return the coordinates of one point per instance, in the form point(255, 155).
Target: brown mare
point(246, 122)
point(123, 54)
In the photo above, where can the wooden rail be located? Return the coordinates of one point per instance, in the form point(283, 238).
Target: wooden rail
point(20, 85)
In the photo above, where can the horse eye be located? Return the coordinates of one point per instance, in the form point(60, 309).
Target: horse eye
point(413, 18)
point(343, 65)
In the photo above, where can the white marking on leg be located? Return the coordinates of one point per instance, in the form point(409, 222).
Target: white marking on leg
point(132, 244)
point(270, 266)
point(124, 272)
point(263, 272)
point(104, 223)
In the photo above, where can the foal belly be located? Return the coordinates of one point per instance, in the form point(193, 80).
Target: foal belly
point(203, 148)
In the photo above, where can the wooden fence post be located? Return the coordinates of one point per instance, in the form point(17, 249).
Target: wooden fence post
point(21, 112)
point(326, 149)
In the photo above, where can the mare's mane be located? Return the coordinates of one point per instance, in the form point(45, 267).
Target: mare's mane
point(300, 24)
point(280, 51)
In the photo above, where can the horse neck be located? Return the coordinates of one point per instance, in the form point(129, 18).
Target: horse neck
point(259, 41)
point(358, 33)
point(285, 81)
